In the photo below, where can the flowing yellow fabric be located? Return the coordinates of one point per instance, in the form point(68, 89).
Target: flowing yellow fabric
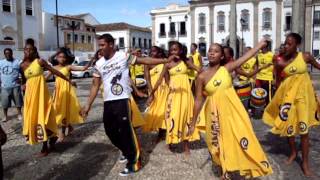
point(136, 116)
point(193, 74)
point(230, 136)
point(248, 67)
point(154, 117)
point(264, 59)
point(66, 103)
point(179, 106)
point(38, 115)
point(294, 107)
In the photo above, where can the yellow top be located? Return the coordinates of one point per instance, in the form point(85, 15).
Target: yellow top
point(248, 67)
point(136, 70)
point(156, 71)
point(179, 69)
point(33, 70)
point(267, 73)
point(298, 66)
point(196, 56)
point(220, 81)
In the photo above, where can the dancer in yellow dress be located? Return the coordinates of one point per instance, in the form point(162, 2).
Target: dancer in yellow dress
point(155, 113)
point(38, 115)
point(66, 103)
point(197, 61)
point(229, 134)
point(180, 100)
point(294, 109)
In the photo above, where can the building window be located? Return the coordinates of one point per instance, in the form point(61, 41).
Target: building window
point(89, 39)
point(82, 39)
point(221, 21)
point(69, 38)
point(88, 29)
point(316, 52)
point(29, 8)
point(150, 43)
point(316, 18)
point(202, 23)
point(139, 42)
point(287, 26)
point(133, 42)
point(183, 31)
point(6, 6)
point(76, 38)
point(316, 35)
point(266, 19)
point(162, 30)
point(121, 42)
point(172, 31)
point(245, 20)
point(8, 38)
point(145, 43)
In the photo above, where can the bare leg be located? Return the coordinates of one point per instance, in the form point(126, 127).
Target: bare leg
point(19, 110)
point(305, 153)
point(293, 149)
point(186, 147)
point(62, 134)
point(5, 112)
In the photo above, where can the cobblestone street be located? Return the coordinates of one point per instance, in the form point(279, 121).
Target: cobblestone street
point(88, 153)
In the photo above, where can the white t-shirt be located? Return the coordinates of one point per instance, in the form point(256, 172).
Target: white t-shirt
point(114, 74)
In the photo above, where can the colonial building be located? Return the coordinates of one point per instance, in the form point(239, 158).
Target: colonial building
point(74, 32)
point(20, 20)
point(127, 36)
point(207, 21)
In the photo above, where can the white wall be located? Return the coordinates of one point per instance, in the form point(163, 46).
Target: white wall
point(316, 43)
point(272, 32)
point(50, 32)
point(220, 36)
point(142, 35)
point(198, 35)
point(119, 34)
point(247, 35)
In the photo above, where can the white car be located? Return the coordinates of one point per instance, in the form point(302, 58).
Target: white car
point(82, 74)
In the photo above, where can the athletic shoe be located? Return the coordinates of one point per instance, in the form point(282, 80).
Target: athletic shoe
point(123, 159)
point(126, 172)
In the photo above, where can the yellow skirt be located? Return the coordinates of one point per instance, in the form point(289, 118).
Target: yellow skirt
point(38, 116)
point(136, 116)
point(293, 109)
point(155, 115)
point(230, 136)
point(66, 104)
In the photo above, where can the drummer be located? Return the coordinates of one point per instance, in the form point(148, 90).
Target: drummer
point(137, 71)
point(264, 77)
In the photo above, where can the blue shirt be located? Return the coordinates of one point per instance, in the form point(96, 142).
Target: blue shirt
point(9, 73)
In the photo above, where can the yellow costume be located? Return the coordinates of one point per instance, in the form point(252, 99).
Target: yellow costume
point(179, 106)
point(137, 119)
point(248, 67)
point(136, 70)
point(294, 107)
point(38, 116)
point(264, 59)
point(154, 116)
point(192, 73)
point(66, 104)
point(230, 136)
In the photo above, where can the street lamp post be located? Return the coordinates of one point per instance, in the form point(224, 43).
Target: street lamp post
point(242, 22)
point(57, 20)
point(73, 26)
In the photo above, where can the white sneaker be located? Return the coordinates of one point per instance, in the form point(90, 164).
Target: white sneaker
point(123, 159)
point(20, 118)
point(125, 172)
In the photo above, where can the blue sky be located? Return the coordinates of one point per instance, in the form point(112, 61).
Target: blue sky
point(135, 12)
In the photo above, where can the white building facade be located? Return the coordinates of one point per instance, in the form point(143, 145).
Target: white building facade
point(127, 37)
point(20, 20)
point(208, 21)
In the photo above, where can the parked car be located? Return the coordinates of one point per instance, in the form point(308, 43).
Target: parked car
point(82, 74)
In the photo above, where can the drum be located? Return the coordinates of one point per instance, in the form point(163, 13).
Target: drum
point(140, 82)
point(243, 89)
point(258, 102)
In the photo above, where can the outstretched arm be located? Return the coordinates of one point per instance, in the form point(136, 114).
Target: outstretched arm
point(191, 65)
point(311, 60)
point(198, 103)
point(81, 68)
point(148, 79)
point(44, 64)
point(162, 75)
point(96, 82)
point(237, 63)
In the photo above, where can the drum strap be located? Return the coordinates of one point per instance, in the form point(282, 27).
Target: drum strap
point(270, 91)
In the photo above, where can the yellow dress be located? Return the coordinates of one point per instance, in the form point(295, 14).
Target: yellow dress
point(267, 73)
point(179, 106)
point(193, 74)
point(230, 136)
point(248, 67)
point(66, 104)
point(154, 116)
point(38, 116)
point(294, 107)
point(136, 116)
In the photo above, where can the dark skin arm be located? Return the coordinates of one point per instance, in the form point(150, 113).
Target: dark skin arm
point(190, 64)
point(44, 64)
point(153, 61)
point(162, 75)
point(198, 103)
point(96, 82)
point(311, 60)
point(148, 79)
point(136, 90)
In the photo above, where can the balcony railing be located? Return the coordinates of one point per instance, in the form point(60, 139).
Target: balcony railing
point(182, 33)
point(162, 34)
point(172, 33)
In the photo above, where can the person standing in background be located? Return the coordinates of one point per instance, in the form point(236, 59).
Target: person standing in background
point(10, 84)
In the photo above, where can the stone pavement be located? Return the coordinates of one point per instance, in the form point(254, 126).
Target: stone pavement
point(88, 154)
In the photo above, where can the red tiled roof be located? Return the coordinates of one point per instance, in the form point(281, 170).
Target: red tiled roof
point(119, 26)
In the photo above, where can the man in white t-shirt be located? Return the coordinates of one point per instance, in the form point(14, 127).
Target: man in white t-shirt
point(113, 71)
